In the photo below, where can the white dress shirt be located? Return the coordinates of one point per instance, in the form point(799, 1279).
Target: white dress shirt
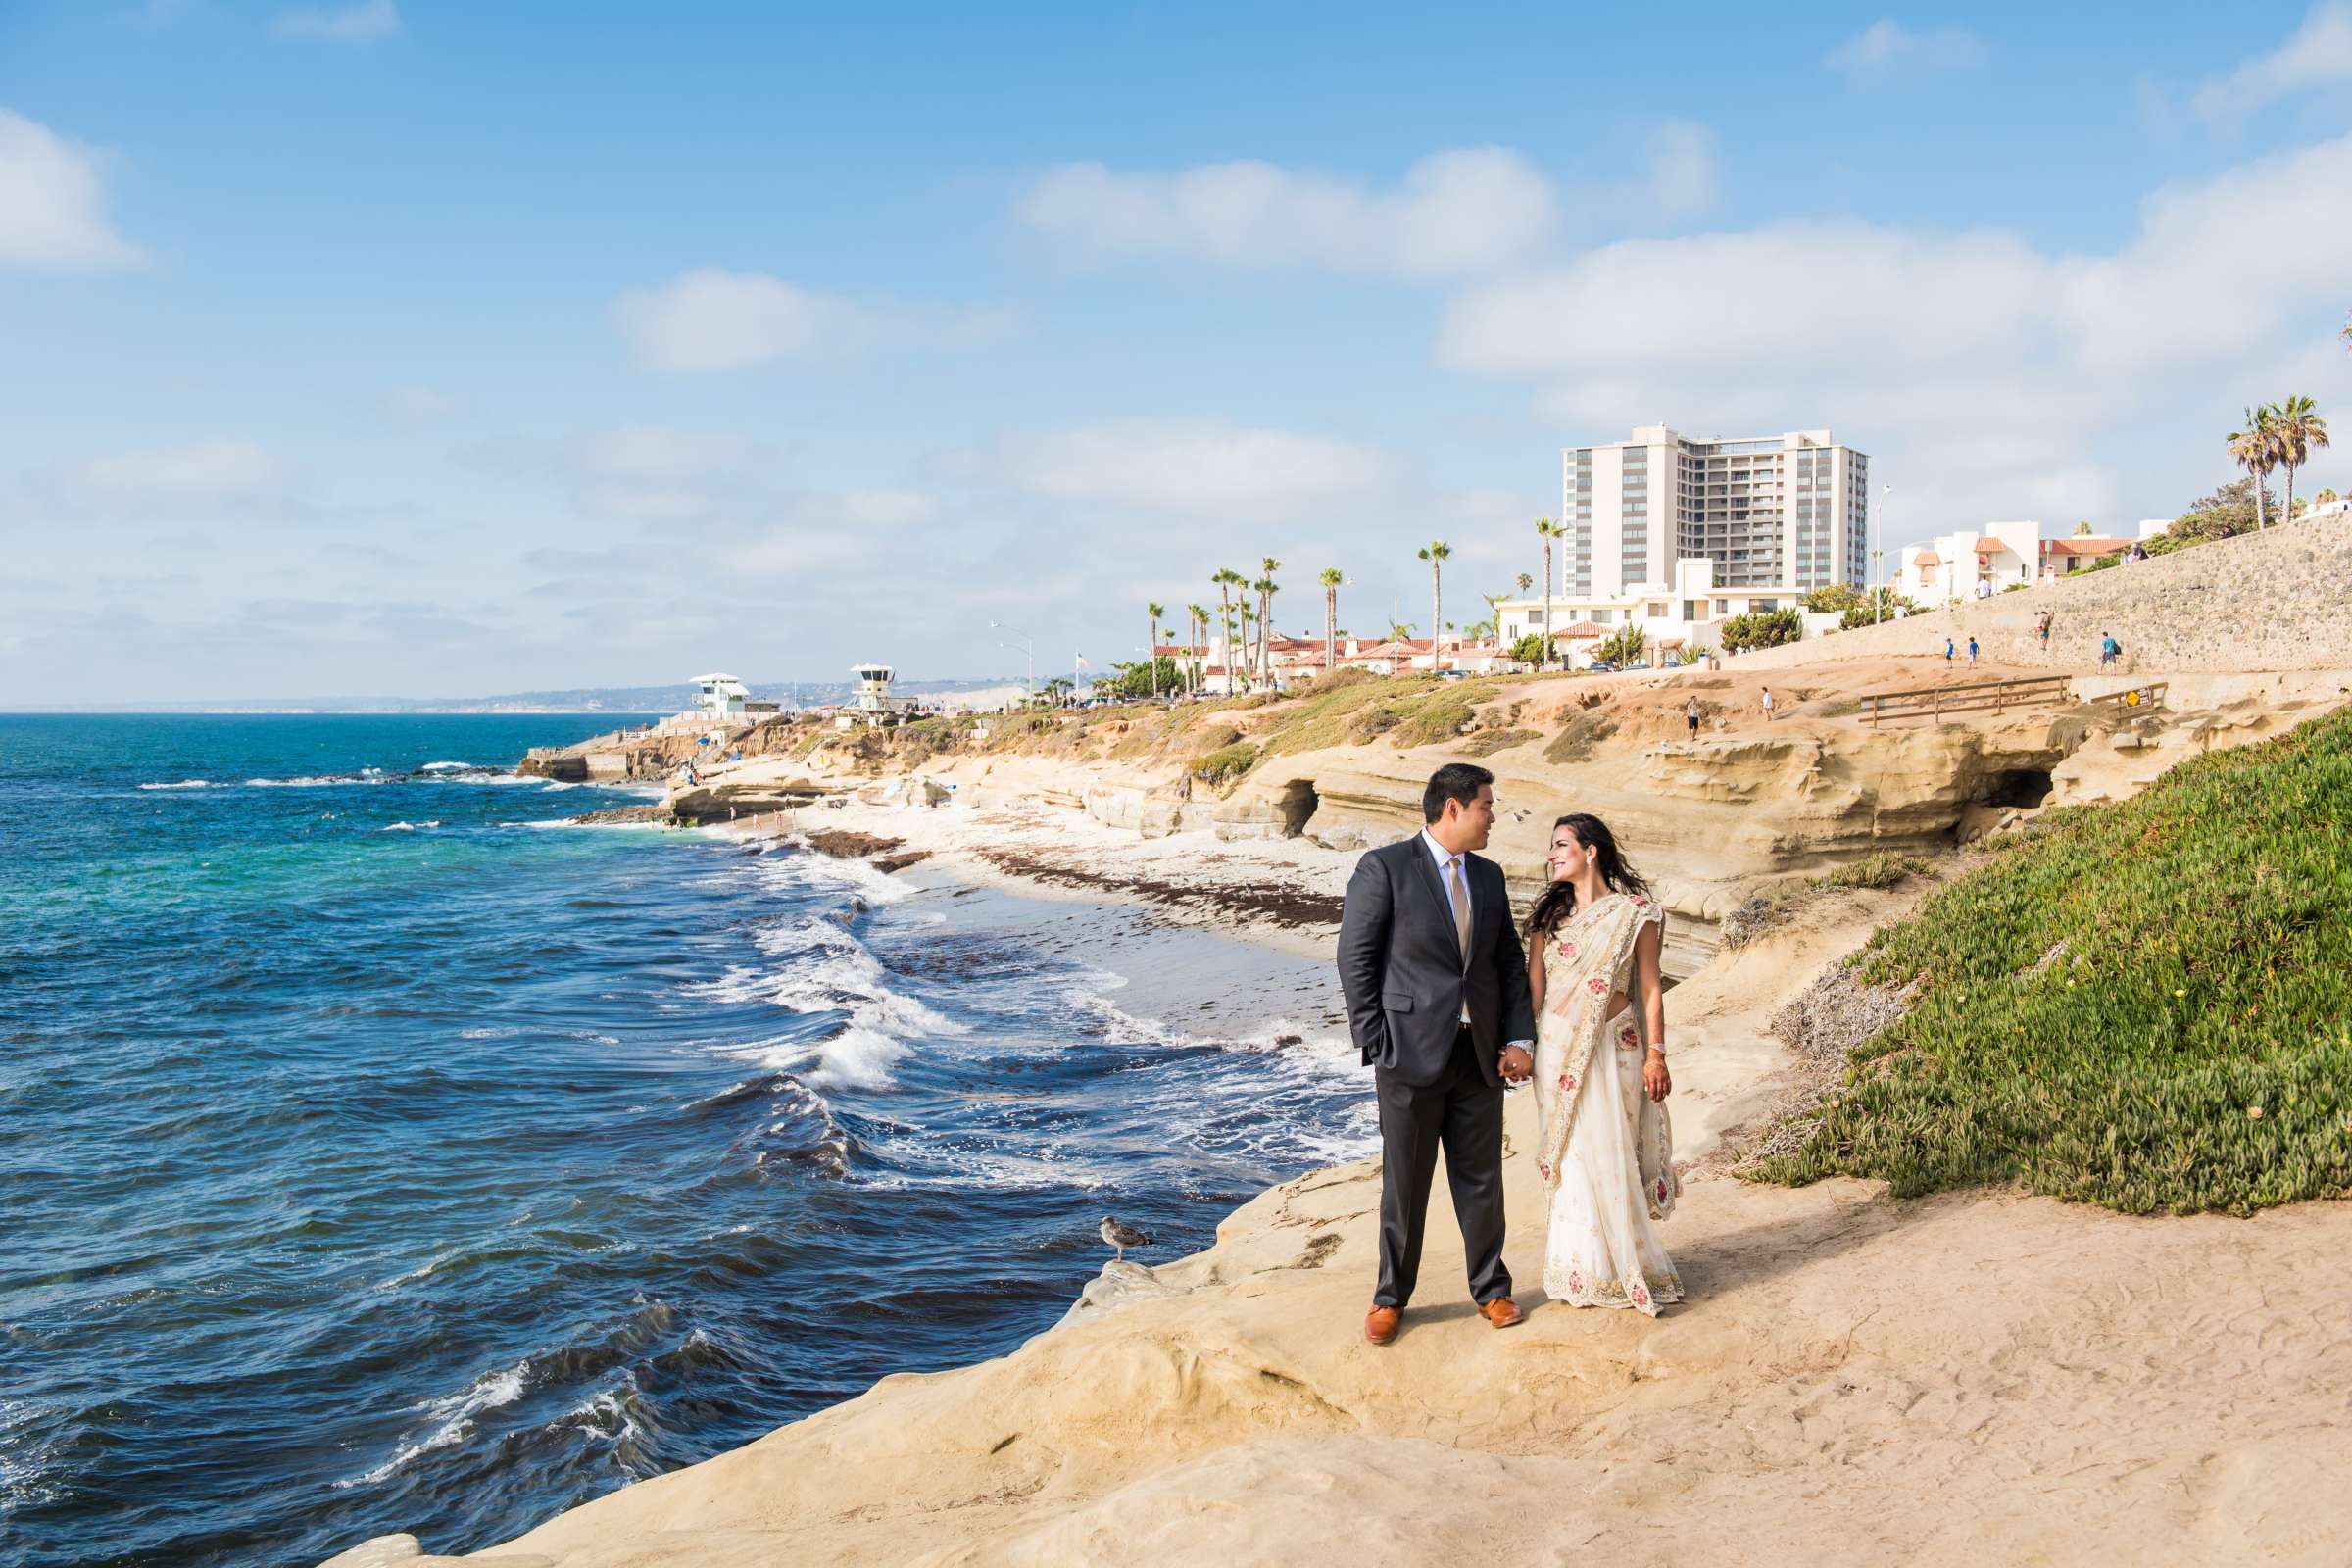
point(1459, 865)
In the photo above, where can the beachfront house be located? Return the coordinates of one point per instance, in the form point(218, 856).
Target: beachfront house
point(1968, 564)
point(1685, 613)
point(2080, 553)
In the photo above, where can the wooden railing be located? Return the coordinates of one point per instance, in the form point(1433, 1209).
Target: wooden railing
point(1996, 695)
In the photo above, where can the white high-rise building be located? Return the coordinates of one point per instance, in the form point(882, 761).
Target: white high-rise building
point(1787, 511)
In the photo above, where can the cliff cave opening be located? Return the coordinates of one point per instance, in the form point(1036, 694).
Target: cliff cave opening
point(1296, 804)
point(2026, 787)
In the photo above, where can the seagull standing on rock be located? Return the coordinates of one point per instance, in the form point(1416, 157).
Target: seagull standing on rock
point(1122, 1237)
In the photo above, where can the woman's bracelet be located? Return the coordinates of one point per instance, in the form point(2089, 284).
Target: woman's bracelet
point(1659, 1052)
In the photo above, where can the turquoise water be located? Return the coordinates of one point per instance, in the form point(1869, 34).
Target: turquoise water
point(379, 1151)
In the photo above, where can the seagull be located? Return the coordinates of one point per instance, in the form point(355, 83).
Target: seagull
point(1122, 1237)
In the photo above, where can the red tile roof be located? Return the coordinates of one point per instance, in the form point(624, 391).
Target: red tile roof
point(1927, 557)
point(1582, 629)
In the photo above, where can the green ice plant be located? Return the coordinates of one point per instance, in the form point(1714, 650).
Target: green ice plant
point(2143, 1006)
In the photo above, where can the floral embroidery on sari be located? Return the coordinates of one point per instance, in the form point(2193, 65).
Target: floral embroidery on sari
point(1608, 1176)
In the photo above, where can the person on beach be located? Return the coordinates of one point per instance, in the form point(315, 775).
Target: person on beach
point(1972, 653)
point(1767, 705)
point(1436, 984)
point(1948, 649)
point(2109, 650)
point(2041, 628)
point(1604, 1148)
point(1690, 717)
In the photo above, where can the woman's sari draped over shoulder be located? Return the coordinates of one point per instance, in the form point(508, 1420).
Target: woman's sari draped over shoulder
point(1605, 1149)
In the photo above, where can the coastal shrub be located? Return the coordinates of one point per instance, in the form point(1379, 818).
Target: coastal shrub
point(1486, 742)
point(1881, 870)
point(1440, 715)
point(1764, 628)
point(1585, 728)
point(1881, 605)
point(2143, 1006)
point(1335, 714)
point(1226, 763)
point(1371, 722)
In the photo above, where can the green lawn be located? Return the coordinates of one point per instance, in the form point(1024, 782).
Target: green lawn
point(2187, 1048)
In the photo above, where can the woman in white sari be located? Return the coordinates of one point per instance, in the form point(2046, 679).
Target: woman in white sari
point(1604, 1148)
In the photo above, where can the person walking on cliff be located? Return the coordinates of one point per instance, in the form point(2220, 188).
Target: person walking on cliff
point(1767, 705)
point(1690, 717)
point(2042, 629)
point(1605, 1149)
point(2109, 650)
point(1972, 653)
point(1948, 649)
point(1436, 983)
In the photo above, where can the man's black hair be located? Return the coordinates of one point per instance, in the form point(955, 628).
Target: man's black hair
point(1455, 781)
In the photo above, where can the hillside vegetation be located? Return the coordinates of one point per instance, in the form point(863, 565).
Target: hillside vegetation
point(2141, 1006)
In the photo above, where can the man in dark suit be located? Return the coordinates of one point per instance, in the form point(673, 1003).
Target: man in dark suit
point(1436, 992)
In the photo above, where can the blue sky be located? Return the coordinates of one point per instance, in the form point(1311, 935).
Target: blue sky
point(428, 348)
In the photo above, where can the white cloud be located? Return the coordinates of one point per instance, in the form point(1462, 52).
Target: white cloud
point(367, 22)
point(2318, 55)
point(418, 405)
point(1682, 167)
point(2004, 374)
point(797, 552)
point(887, 508)
point(53, 204)
point(714, 321)
point(201, 468)
point(1885, 48)
point(1202, 467)
point(708, 319)
point(1463, 211)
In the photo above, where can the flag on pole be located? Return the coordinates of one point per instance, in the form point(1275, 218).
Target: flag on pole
point(1082, 664)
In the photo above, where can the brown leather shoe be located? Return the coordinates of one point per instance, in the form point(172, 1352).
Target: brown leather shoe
point(1380, 1324)
point(1501, 1311)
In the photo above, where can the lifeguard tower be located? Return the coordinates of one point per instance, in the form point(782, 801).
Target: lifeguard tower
point(721, 695)
point(875, 703)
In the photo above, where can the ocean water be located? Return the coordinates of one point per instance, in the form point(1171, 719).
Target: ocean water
point(378, 1152)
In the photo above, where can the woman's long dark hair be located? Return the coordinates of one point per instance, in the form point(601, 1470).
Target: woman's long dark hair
point(1616, 874)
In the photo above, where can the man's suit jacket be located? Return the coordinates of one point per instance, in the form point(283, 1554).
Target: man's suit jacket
point(1402, 967)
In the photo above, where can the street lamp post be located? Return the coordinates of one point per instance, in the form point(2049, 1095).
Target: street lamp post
point(1028, 646)
point(1878, 599)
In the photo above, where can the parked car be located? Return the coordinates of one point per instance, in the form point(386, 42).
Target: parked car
point(1453, 674)
point(1601, 666)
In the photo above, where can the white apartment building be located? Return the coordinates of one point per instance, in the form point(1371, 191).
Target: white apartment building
point(1789, 512)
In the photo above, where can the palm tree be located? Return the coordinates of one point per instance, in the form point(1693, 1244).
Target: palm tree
point(1197, 623)
point(1267, 588)
point(2295, 430)
point(1546, 530)
point(1151, 648)
point(1225, 579)
point(1437, 553)
point(2256, 455)
point(1331, 579)
point(1248, 621)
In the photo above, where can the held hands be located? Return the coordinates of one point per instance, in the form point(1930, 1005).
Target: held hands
point(1517, 1066)
point(1656, 1081)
